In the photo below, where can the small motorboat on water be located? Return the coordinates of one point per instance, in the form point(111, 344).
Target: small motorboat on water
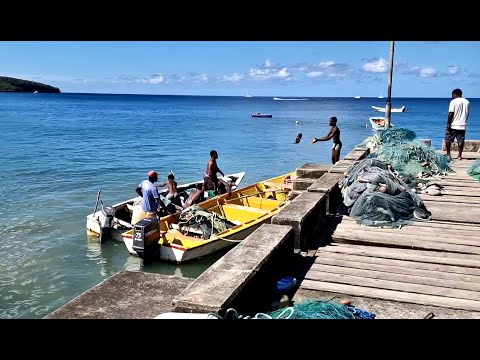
point(114, 220)
point(382, 109)
point(378, 122)
point(260, 115)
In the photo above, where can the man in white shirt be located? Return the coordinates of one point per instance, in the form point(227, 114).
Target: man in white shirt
point(458, 112)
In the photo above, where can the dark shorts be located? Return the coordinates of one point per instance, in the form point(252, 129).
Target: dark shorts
point(210, 183)
point(452, 134)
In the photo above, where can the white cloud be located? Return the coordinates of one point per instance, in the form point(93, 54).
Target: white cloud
point(453, 70)
point(314, 74)
point(233, 78)
point(376, 66)
point(283, 73)
point(326, 64)
point(268, 63)
point(202, 78)
point(155, 79)
point(425, 72)
point(428, 72)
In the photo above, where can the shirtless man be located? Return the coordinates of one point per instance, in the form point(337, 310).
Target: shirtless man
point(172, 190)
point(210, 179)
point(334, 134)
point(195, 197)
point(172, 194)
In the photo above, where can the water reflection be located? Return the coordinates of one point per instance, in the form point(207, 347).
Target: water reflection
point(112, 256)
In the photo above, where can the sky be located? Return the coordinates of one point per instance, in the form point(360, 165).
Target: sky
point(259, 68)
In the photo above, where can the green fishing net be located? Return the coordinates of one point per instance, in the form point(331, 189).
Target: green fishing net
point(374, 195)
point(407, 155)
point(320, 309)
point(474, 170)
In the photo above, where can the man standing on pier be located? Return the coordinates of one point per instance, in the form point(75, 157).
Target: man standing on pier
point(333, 134)
point(458, 112)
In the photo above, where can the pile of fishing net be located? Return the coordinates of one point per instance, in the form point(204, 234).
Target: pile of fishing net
point(474, 170)
point(319, 309)
point(374, 195)
point(206, 222)
point(307, 309)
point(407, 155)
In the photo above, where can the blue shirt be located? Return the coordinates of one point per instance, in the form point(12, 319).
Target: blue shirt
point(150, 196)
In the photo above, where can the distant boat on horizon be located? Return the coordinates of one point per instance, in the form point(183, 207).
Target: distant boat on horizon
point(381, 96)
point(288, 99)
point(260, 115)
point(248, 94)
point(357, 97)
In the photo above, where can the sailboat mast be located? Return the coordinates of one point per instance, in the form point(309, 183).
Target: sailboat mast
point(388, 106)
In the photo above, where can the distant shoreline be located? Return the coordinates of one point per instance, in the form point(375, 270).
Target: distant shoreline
point(14, 85)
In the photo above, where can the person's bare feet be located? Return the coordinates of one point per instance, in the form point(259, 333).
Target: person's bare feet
point(459, 158)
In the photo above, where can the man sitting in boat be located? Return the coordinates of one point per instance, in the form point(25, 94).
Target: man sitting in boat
point(152, 205)
point(195, 197)
point(210, 179)
point(172, 195)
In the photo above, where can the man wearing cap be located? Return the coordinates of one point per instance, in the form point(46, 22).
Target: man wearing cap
point(150, 197)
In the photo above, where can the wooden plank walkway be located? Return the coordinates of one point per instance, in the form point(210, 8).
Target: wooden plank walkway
point(432, 262)
point(412, 276)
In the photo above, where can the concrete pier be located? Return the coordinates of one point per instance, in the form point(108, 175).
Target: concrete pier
point(125, 295)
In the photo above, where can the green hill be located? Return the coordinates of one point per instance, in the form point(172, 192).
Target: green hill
point(8, 84)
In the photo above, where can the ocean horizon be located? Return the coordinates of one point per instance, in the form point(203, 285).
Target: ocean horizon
point(58, 150)
point(264, 96)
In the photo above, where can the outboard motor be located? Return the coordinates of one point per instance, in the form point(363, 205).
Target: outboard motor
point(145, 239)
point(105, 222)
point(108, 214)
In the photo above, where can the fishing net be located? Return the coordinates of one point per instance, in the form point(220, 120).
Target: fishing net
point(208, 223)
point(319, 309)
point(374, 195)
point(474, 170)
point(401, 149)
point(307, 309)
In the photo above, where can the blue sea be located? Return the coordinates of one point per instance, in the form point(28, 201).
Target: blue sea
point(58, 150)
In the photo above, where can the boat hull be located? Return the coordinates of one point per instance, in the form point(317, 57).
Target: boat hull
point(378, 123)
point(261, 115)
point(394, 110)
point(244, 207)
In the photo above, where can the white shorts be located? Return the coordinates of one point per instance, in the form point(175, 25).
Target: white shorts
point(337, 146)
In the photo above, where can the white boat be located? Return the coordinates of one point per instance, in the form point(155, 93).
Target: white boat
point(378, 122)
point(116, 219)
point(357, 97)
point(382, 109)
point(288, 99)
point(248, 95)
